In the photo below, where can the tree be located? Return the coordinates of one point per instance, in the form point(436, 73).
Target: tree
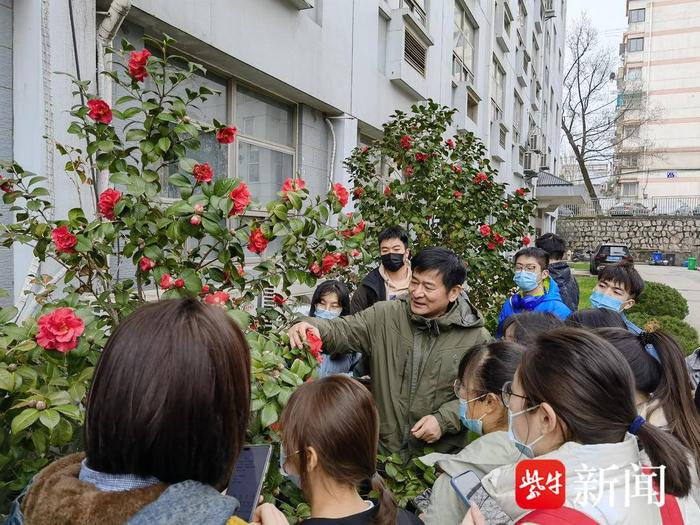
point(597, 119)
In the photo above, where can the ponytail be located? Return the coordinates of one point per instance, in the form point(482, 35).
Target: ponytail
point(388, 510)
point(664, 450)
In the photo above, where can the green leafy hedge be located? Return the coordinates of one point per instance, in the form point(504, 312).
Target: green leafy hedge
point(686, 335)
point(659, 299)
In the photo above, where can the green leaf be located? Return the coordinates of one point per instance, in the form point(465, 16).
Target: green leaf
point(187, 165)
point(7, 314)
point(164, 144)
point(271, 388)
point(105, 145)
point(25, 346)
point(49, 418)
point(136, 134)
point(268, 415)
point(130, 112)
point(180, 181)
point(179, 208)
point(7, 380)
point(83, 245)
point(391, 470)
point(39, 441)
point(24, 419)
point(119, 178)
point(71, 411)
point(60, 397)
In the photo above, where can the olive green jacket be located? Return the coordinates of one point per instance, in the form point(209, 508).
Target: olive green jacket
point(413, 364)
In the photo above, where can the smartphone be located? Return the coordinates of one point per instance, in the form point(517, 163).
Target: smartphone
point(470, 490)
point(248, 477)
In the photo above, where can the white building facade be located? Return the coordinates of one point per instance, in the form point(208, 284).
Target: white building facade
point(304, 81)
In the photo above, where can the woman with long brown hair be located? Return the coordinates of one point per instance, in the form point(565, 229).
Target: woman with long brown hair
point(330, 434)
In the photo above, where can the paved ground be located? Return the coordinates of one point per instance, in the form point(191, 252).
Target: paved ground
point(685, 281)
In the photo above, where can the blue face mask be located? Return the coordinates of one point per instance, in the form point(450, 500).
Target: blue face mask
point(601, 300)
point(524, 448)
point(326, 314)
point(473, 425)
point(294, 478)
point(526, 281)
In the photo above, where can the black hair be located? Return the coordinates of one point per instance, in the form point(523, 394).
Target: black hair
point(394, 232)
point(666, 381)
point(554, 245)
point(331, 286)
point(623, 273)
point(540, 255)
point(596, 318)
point(445, 262)
point(528, 325)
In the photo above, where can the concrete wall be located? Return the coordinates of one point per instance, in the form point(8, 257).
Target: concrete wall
point(6, 262)
point(679, 235)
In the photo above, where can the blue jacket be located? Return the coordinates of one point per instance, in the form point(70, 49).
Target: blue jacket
point(549, 302)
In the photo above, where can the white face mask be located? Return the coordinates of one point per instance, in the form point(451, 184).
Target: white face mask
point(524, 448)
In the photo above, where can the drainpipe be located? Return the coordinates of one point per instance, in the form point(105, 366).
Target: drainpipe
point(114, 17)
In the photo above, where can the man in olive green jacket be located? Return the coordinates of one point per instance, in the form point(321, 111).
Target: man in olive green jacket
point(414, 346)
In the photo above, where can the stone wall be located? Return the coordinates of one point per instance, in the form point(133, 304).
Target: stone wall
point(643, 235)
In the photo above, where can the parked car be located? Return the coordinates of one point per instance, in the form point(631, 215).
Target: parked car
point(696, 210)
point(609, 253)
point(629, 209)
point(683, 209)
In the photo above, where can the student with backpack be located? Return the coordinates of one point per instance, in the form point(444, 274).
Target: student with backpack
point(555, 246)
point(572, 400)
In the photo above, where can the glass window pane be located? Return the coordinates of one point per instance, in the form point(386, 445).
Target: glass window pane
point(264, 170)
point(264, 118)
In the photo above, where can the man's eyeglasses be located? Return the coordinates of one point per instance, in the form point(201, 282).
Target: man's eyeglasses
point(507, 392)
point(527, 268)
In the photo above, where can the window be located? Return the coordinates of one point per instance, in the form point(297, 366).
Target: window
point(265, 143)
point(415, 53)
point(535, 57)
point(635, 44)
point(522, 16)
point(382, 32)
point(503, 135)
point(631, 131)
point(634, 73)
point(497, 85)
point(545, 115)
point(417, 7)
point(464, 38)
point(517, 117)
point(472, 108)
point(632, 100)
point(630, 161)
point(629, 189)
point(637, 15)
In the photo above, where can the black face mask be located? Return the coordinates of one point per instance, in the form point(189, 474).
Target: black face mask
point(393, 261)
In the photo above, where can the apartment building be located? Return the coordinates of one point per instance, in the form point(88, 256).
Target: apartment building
point(661, 74)
point(305, 81)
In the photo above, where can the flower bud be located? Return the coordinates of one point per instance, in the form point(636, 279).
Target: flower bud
point(199, 208)
point(195, 220)
point(11, 367)
point(40, 405)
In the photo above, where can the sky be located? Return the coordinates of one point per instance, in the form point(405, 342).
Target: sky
point(607, 15)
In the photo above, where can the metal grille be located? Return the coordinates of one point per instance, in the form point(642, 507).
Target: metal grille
point(414, 52)
point(502, 138)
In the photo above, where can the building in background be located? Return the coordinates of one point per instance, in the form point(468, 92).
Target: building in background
point(600, 173)
point(305, 81)
point(661, 73)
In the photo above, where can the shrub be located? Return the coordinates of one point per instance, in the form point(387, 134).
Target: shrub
point(686, 335)
point(659, 299)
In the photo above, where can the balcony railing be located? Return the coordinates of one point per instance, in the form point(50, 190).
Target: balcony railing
point(678, 206)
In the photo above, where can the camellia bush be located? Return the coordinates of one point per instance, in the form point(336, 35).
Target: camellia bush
point(444, 192)
point(213, 242)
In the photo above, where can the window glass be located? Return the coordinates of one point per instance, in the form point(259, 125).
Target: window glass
point(634, 73)
point(637, 15)
point(263, 169)
point(264, 118)
point(635, 44)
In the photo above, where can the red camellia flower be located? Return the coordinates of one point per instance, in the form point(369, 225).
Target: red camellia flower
point(202, 172)
point(341, 193)
point(526, 241)
point(137, 64)
point(355, 253)
point(485, 230)
point(257, 241)
point(456, 168)
point(327, 263)
point(408, 171)
point(491, 246)
point(107, 201)
point(480, 177)
point(450, 143)
point(218, 298)
point(5, 184)
point(364, 148)
point(406, 142)
point(240, 197)
point(457, 194)
point(315, 345)
point(205, 289)
point(358, 192)
point(505, 205)
point(59, 330)
point(64, 240)
point(354, 231)
point(179, 283)
point(499, 239)
point(275, 427)
point(226, 135)
point(99, 111)
point(315, 269)
point(341, 260)
point(278, 299)
point(422, 157)
point(292, 185)
point(166, 281)
point(145, 264)
point(387, 191)
point(521, 192)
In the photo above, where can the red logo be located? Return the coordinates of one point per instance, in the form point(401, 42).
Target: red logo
point(540, 484)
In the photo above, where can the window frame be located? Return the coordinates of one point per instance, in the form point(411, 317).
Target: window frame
point(636, 40)
point(641, 10)
point(465, 17)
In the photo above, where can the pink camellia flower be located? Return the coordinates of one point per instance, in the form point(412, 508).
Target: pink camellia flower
point(137, 64)
point(219, 298)
point(203, 172)
point(406, 142)
point(99, 111)
point(205, 289)
point(315, 269)
point(456, 168)
point(315, 345)
point(341, 193)
point(457, 194)
point(179, 283)
point(521, 192)
point(292, 185)
point(257, 242)
point(422, 157)
point(241, 199)
point(199, 208)
point(195, 220)
point(526, 241)
point(145, 264)
point(166, 281)
point(64, 240)
point(226, 135)
point(485, 230)
point(387, 191)
point(355, 253)
point(107, 201)
point(59, 330)
point(364, 148)
point(450, 143)
point(480, 177)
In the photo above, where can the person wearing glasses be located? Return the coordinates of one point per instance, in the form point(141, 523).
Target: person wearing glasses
point(572, 400)
point(536, 292)
point(482, 372)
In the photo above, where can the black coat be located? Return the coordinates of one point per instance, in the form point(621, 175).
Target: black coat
point(372, 289)
point(568, 287)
